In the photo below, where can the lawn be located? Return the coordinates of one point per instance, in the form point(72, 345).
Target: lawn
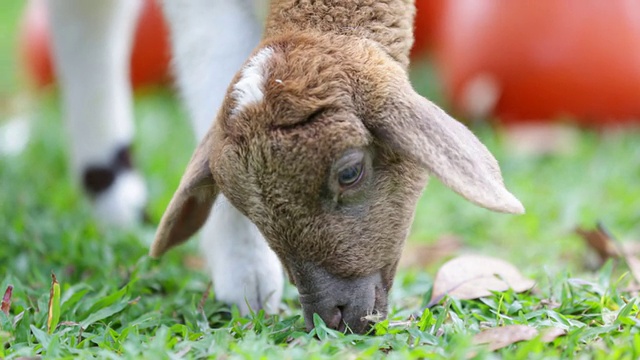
point(115, 302)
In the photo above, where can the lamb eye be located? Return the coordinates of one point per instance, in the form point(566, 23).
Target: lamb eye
point(350, 176)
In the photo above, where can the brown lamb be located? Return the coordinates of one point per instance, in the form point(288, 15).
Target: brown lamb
point(323, 143)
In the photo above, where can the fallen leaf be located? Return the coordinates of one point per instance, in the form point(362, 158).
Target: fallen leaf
point(550, 334)
point(601, 241)
point(499, 337)
point(607, 247)
point(6, 300)
point(631, 247)
point(474, 276)
point(54, 305)
point(503, 336)
point(634, 266)
point(420, 255)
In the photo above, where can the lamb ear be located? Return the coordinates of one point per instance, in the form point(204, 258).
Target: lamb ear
point(448, 150)
point(191, 204)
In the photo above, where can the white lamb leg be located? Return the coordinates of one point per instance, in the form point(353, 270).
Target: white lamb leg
point(211, 39)
point(91, 50)
point(245, 270)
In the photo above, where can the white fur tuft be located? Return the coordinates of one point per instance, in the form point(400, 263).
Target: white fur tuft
point(250, 88)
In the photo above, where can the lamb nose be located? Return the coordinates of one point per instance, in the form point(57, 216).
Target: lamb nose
point(334, 321)
point(332, 317)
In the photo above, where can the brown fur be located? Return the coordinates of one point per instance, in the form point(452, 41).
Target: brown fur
point(388, 23)
point(278, 166)
point(336, 83)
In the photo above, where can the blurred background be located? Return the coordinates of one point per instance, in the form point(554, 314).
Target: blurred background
point(552, 87)
point(515, 62)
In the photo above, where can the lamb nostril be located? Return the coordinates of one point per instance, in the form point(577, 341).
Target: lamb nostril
point(335, 320)
point(343, 325)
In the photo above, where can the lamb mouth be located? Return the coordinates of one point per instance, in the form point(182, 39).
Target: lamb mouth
point(347, 305)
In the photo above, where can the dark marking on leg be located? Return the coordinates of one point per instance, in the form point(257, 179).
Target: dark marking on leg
point(123, 158)
point(98, 178)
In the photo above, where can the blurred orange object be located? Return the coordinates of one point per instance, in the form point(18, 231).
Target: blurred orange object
point(149, 59)
point(427, 23)
point(537, 60)
point(151, 51)
point(34, 44)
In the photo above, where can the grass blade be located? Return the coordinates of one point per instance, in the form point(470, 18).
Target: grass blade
point(54, 305)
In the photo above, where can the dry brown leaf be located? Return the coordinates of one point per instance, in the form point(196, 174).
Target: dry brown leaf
point(550, 334)
point(634, 266)
point(607, 247)
point(499, 337)
point(631, 247)
point(503, 336)
point(601, 241)
point(6, 300)
point(474, 276)
point(425, 255)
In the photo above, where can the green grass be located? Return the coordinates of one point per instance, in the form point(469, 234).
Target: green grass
point(9, 22)
point(117, 303)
